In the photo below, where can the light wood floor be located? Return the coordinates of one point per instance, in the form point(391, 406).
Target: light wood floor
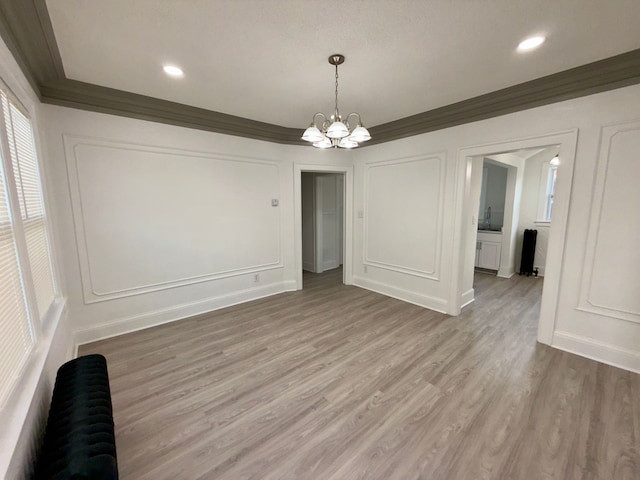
point(336, 382)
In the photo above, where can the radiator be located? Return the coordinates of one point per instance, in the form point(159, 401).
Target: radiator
point(528, 253)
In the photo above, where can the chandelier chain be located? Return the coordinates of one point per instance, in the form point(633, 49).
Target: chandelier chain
point(337, 113)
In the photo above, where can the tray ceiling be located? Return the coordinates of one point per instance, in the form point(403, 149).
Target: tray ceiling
point(266, 60)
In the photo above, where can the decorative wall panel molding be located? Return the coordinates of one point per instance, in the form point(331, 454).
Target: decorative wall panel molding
point(598, 351)
point(153, 318)
point(26, 28)
point(404, 215)
point(610, 282)
point(150, 218)
point(420, 299)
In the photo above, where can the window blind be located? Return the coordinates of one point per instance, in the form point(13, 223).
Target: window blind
point(27, 180)
point(16, 339)
point(26, 281)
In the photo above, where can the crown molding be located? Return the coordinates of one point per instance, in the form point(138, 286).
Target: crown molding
point(608, 74)
point(86, 96)
point(26, 28)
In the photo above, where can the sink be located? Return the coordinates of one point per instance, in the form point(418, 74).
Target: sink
point(486, 228)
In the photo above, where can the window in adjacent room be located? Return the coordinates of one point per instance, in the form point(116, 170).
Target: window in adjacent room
point(551, 186)
point(27, 288)
point(548, 178)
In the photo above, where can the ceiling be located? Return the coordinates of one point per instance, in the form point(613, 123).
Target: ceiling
point(266, 60)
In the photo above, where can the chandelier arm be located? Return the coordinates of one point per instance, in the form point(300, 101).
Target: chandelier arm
point(349, 116)
point(322, 115)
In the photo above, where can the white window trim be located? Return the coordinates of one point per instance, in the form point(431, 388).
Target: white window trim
point(23, 410)
point(541, 218)
point(42, 325)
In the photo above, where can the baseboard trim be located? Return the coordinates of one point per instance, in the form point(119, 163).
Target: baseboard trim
point(425, 301)
point(154, 318)
point(598, 351)
point(508, 274)
point(467, 297)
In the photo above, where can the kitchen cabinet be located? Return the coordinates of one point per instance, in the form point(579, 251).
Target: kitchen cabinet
point(488, 250)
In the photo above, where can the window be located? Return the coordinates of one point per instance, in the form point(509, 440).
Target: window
point(546, 196)
point(551, 186)
point(26, 281)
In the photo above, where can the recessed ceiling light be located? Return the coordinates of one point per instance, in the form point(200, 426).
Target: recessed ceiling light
point(530, 43)
point(173, 71)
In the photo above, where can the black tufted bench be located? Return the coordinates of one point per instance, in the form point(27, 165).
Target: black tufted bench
point(79, 441)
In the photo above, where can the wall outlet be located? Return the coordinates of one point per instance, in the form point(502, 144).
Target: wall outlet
point(275, 202)
point(256, 277)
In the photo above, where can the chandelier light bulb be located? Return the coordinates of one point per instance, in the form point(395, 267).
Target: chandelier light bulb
point(312, 134)
point(338, 130)
point(346, 142)
point(324, 143)
point(360, 134)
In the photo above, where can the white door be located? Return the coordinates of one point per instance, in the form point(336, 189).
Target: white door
point(328, 238)
point(308, 222)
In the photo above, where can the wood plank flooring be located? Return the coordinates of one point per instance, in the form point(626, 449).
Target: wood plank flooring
point(335, 382)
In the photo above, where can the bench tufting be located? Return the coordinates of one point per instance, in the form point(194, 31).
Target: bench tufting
point(79, 440)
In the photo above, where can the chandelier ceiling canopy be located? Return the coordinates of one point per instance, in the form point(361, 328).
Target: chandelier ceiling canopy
point(334, 131)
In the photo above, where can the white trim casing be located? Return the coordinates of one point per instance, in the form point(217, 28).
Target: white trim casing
point(298, 168)
point(567, 141)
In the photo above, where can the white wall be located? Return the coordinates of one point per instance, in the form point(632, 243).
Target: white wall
point(160, 222)
point(432, 191)
point(22, 419)
point(529, 207)
point(599, 309)
point(403, 207)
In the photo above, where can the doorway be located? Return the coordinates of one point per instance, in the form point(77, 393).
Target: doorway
point(565, 145)
point(322, 221)
point(330, 224)
point(515, 195)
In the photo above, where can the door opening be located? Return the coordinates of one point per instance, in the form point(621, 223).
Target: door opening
point(526, 199)
point(323, 206)
point(322, 197)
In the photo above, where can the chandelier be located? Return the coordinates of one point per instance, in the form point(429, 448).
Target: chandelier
point(333, 131)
